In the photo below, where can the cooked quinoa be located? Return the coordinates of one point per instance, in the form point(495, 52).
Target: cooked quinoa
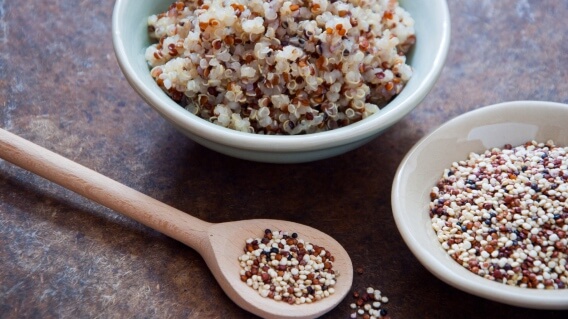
point(278, 66)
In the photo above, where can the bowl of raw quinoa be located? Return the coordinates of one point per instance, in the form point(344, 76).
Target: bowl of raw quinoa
point(482, 202)
point(281, 81)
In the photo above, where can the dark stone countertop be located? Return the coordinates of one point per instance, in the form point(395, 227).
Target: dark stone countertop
point(62, 256)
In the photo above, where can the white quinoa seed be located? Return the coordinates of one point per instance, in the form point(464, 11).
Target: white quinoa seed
point(281, 66)
point(503, 214)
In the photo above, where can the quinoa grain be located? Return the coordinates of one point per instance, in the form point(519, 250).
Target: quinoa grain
point(369, 304)
point(282, 267)
point(278, 51)
point(503, 214)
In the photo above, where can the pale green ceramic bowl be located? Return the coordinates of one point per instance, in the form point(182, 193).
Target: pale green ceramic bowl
point(427, 58)
point(492, 126)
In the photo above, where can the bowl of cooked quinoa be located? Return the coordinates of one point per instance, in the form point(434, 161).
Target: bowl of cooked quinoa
point(281, 81)
point(482, 202)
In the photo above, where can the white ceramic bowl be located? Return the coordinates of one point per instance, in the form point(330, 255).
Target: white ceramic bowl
point(432, 24)
point(492, 126)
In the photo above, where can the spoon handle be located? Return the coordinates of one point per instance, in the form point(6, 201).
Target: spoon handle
point(103, 190)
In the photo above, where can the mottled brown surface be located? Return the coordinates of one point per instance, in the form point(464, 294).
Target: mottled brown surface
point(64, 257)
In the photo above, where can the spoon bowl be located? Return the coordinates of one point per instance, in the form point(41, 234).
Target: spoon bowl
point(220, 245)
point(225, 245)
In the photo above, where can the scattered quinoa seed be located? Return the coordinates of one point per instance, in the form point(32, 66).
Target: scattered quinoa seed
point(368, 304)
point(286, 268)
point(503, 214)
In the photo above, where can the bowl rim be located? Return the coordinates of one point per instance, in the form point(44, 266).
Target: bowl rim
point(282, 143)
point(452, 273)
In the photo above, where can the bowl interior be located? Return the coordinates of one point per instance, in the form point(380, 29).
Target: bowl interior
point(476, 131)
point(427, 59)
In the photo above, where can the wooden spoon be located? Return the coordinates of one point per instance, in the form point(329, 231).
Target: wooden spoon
point(220, 245)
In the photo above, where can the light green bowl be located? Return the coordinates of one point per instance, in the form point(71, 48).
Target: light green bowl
point(432, 24)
